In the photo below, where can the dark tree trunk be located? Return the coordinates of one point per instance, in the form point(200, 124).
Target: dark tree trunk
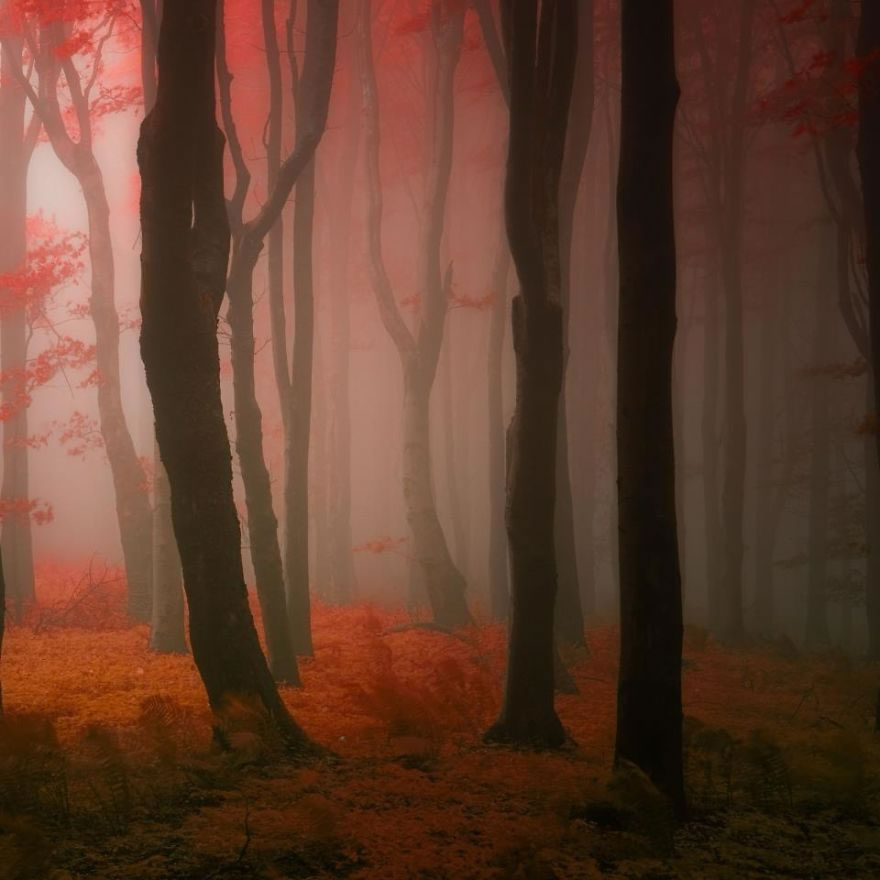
point(321, 27)
point(499, 587)
point(16, 539)
point(649, 709)
point(542, 51)
point(299, 417)
point(419, 351)
point(872, 531)
point(816, 634)
point(2, 623)
point(185, 252)
point(569, 612)
point(167, 635)
point(868, 49)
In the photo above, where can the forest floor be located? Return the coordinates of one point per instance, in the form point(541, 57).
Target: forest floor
point(107, 769)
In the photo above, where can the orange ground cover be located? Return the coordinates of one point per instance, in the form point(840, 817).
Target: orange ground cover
point(414, 793)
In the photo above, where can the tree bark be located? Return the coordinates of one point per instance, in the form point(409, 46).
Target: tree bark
point(16, 541)
point(649, 707)
point(341, 542)
point(541, 56)
point(868, 49)
point(419, 351)
point(185, 251)
point(569, 612)
point(299, 417)
point(2, 623)
point(499, 585)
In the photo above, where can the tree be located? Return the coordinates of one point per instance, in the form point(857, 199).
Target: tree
point(248, 238)
point(16, 147)
point(569, 610)
point(186, 238)
point(419, 351)
point(53, 40)
point(2, 622)
point(649, 709)
point(167, 630)
point(541, 58)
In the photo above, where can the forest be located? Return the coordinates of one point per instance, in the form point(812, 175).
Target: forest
point(440, 439)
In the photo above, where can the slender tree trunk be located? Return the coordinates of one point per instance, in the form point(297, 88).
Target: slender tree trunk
point(2, 623)
point(167, 635)
point(168, 629)
point(649, 708)
point(499, 594)
point(872, 532)
point(731, 244)
point(17, 542)
point(419, 351)
point(129, 482)
point(869, 165)
point(765, 532)
point(457, 512)
point(710, 444)
point(339, 489)
point(541, 80)
point(185, 252)
point(261, 521)
point(817, 635)
point(569, 613)
point(299, 417)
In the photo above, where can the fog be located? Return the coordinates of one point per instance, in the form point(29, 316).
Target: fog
point(411, 261)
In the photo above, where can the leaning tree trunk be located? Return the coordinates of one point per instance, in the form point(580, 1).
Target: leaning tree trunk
point(2, 623)
point(185, 251)
point(419, 351)
point(817, 635)
point(299, 418)
point(167, 635)
point(541, 74)
point(16, 539)
point(569, 612)
point(499, 589)
point(649, 708)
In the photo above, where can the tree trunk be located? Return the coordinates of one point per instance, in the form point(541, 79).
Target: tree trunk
point(296, 481)
point(185, 252)
point(872, 533)
point(261, 522)
point(129, 481)
point(168, 631)
point(817, 635)
point(869, 165)
point(16, 542)
point(765, 532)
point(499, 589)
point(457, 510)
point(2, 623)
point(341, 543)
point(569, 613)
point(541, 74)
point(419, 351)
point(443, 582)
point(649, 708)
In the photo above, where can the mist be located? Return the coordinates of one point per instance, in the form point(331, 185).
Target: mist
point(450, 411)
